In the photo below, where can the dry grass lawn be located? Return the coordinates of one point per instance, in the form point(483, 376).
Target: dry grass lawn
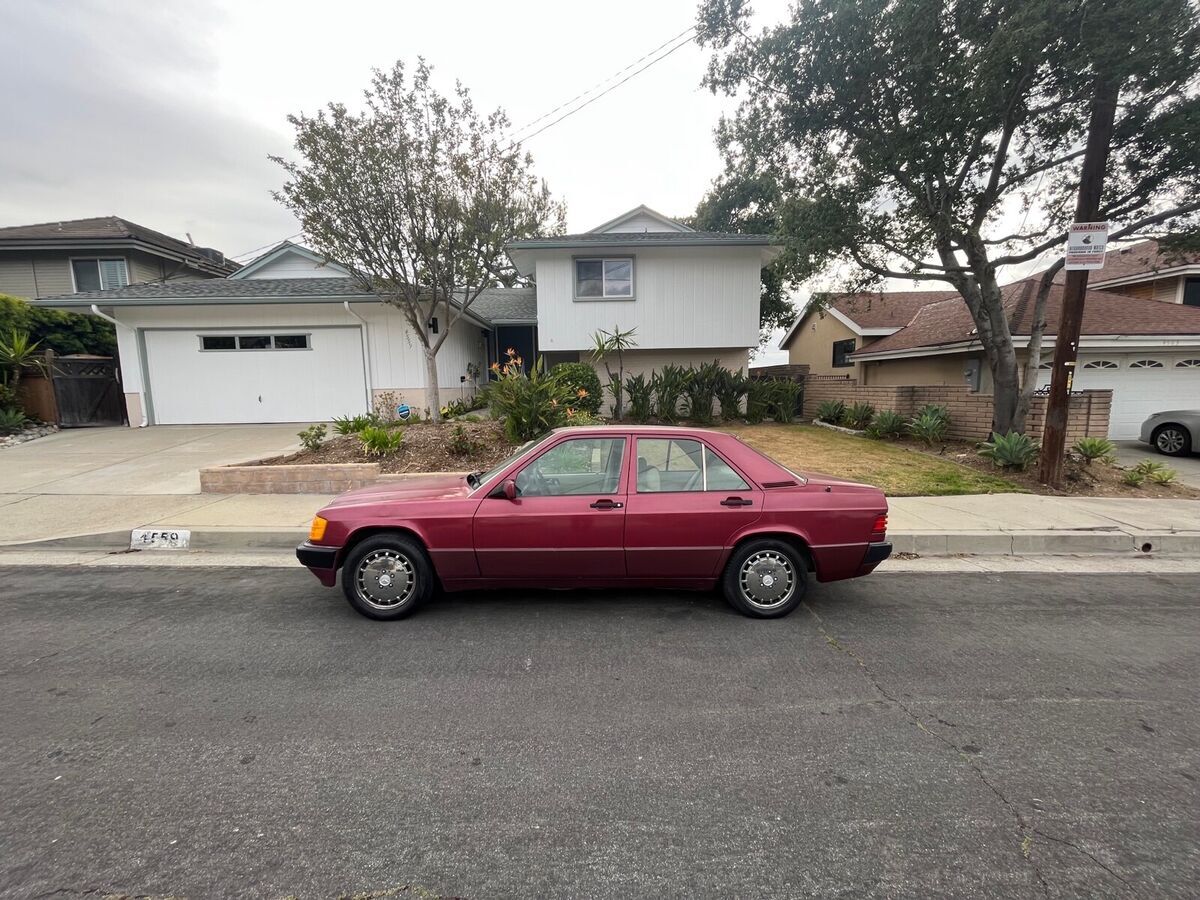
point(894, 468)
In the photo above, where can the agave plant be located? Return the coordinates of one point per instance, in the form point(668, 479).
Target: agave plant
point(859, 415)
point(831, 411)
point(1093, 448)
point(1010, 451)
point(886, 424)
point(928, 427)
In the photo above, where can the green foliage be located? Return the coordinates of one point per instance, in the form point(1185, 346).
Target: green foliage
point(354, 424)
point(731, 388)
point(641, 397)
point(379, 440)
point(1133, 478)
point(1163, 476)
point(831, 411)
point(62, 332)
point(530, 404)
point(1149, 467)
point(783, 395)
point(758, 399)
point(1093, 448)
point(461, 443)
point(933, 409)
point(578, 418)
point(1010, 451)
point(312, 437)
point(12, 421)
point(858, 415)
point(928, 426)
point(460, 407)
point(669, 384)
point(606, 345)
point(576, 377)
point(886, 424)
point(8, 397)
point(700, 391)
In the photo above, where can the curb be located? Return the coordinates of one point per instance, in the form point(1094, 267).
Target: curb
point(921, 543)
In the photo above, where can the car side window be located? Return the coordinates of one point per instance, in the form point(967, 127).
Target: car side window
point(668, 465)
point(719, 476)
point(575, 466)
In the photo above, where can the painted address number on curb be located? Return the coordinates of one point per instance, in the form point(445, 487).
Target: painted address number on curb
point(168, 539)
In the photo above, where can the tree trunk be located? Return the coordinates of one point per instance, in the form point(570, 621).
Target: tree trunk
point(432, 396)
point(1034, 358)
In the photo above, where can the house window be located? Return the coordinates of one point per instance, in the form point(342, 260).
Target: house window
point(99, 274)
point(602, 279)
point(1188, 364)
point(254, 342)
point(1101, 364)
point(841, 350)
point(1191, 292)
point(1146, 364)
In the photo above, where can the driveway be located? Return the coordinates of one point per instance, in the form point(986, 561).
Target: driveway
point(230, 733)
point(1130, 453)
point(164, 459)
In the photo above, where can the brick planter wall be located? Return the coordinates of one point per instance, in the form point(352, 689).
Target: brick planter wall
point(300, 479)
point(970, 413)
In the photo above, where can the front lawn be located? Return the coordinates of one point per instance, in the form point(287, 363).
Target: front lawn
point(894, 468)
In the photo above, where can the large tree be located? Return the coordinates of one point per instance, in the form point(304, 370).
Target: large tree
point(940, 140)
point(417, 195)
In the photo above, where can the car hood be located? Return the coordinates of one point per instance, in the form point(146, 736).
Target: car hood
point(422, 487)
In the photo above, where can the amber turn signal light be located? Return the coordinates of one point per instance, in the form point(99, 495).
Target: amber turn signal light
point(317, 531)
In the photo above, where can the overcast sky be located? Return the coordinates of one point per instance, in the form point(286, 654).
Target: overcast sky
point(164, 113)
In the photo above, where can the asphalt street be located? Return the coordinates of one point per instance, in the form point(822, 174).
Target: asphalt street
point(236, 732)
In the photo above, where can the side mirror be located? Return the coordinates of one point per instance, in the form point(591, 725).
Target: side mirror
point(509, 488)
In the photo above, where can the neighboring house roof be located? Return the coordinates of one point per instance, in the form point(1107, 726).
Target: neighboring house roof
point(644, 212)
point(287, 248)
point(948, 323)
point(642, 239)
point(110, 232)
point(869, 312)
point(1141, 261)
point(507, 306)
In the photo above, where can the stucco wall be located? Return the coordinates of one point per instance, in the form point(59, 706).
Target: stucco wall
point(918, 370)
point(812, 345)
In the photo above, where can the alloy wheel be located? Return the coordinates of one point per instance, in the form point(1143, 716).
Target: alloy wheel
point(767, 579)
point(1170, 440)
point(385, 579)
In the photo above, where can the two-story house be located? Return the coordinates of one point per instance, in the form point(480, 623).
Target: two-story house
point(56, 258)
point(290, 337)
point(1140, 336)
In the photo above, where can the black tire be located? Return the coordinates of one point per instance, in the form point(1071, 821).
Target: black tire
point(1172, 440)
point(374, 569)
point(765, 562)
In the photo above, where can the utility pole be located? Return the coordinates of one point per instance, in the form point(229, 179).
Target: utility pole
point(1066, 341)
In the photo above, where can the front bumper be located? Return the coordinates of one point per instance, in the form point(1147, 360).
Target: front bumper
point(321, 561)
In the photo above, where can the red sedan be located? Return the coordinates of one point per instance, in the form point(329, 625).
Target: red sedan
point(607, 506)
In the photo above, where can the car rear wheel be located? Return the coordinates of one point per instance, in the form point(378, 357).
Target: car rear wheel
point(765, 579)
point(387, 576)
point(1173, 440)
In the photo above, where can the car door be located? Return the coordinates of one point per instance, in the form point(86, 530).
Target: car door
point(684, 505)
point(567, 520)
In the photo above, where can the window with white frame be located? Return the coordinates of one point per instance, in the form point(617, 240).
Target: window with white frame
point(1146, 364)
point(1101, 364)
point(254, 342)
point(99, 274)
point(604, 278)
point(1188, 364)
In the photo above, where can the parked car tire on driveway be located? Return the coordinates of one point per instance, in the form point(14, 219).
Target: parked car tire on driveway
point(1172, 440)
point(765, 579)
point(387, 577)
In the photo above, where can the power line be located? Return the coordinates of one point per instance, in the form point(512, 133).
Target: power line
point(265, 246)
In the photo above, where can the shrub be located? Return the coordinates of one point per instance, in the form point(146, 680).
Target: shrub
point(1148, 467)
point(641, 397)
point(700, 389)
point(353, 424)
point(1133, 478)
point(62, 332)
point(782, 397)
point(530, 404)
point(378, 440)
point(1163, 476)
point(928, 427)
point(668, 383)
point(831, 411)
point(933, 409)
point(731, 388)
point(312, 437)
point(8, 397)
point(12, 421)
point(758, 399)
point(1093, 448)
point(1010, 451)
point(383, 408)
point(576, 418)
point(886, 424)
point(859, 415)
point(576, 377)
point(461, 443)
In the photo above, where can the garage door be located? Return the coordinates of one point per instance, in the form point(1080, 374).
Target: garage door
point(257, 375)
point(1142, 384)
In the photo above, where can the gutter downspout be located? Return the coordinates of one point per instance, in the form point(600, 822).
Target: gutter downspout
point(142, 401)
point(366, 351)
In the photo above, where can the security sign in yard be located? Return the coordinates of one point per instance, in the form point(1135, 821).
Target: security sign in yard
point(1086, 244)
point(159, 539)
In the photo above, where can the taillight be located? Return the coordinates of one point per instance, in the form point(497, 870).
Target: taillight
point(880, 526)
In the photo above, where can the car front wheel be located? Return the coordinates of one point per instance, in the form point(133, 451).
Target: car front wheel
point(1173, 440)
point(765, 579)
point(387, 576)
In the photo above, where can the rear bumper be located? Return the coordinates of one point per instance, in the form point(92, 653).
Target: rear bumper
point(876, 553)
point(321, 561)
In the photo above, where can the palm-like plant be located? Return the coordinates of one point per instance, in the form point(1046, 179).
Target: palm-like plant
point(18, 352)
point(614, 342)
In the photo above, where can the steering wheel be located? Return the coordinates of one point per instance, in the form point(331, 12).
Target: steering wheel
point(539, 485)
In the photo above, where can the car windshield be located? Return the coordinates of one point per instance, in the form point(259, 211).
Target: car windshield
point(475, 479)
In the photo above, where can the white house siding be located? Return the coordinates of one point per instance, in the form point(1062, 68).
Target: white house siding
point(395, 355)
point(640, 223)
point(293, 265)
point(701, 297)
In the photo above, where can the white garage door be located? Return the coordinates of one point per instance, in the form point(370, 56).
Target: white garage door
point(256, 375)
point(1142, 383)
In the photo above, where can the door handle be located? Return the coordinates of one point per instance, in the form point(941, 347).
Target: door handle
point(607, 504)
point(737, 501)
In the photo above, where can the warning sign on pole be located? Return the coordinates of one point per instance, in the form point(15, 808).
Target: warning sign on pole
point(1086, 243)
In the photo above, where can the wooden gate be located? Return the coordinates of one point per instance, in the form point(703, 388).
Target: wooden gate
point(86, 391)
